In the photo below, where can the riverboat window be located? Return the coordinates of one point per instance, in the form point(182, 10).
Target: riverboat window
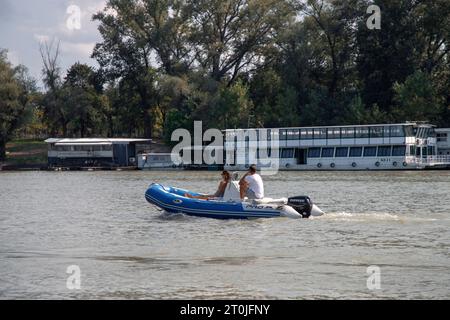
point(283, 134)
point(384, 151)
point(327, 152)
point(64, 148)
point(320, 133)
point(431, 150)
point(314, 153)
point(341, 152)
point(442, 137)
point(251, 135)
point(274, 134)
point(334, 133)
point(420, 132)
point(397, 131)
point(268, 134)
point(370, 151)
point(362, 132)
point(376, 132)
point(302, 134)
point(408, 131)
point(387, 131)
point(307, 133)
point(287, 153)
point(293, 134)
point(398, 151)
point(356, 151)
point(230, 136)
point(348, 133)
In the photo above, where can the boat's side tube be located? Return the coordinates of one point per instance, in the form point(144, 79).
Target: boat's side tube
point(289, 212)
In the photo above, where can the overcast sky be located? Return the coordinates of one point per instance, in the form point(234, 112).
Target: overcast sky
point(26, 23)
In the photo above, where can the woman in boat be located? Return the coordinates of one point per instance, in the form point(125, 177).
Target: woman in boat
point(226, 178)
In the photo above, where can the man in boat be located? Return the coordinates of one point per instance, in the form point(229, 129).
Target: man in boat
point(251, 184)
point(226, 178)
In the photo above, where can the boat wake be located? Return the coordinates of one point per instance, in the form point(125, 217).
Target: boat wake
point(372, 217)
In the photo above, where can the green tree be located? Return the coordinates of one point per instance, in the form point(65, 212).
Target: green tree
point(231, 107)
point(416, 99)
point(16, 89)
point(86, 106)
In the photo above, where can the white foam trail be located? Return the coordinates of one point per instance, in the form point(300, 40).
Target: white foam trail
point(372, 216)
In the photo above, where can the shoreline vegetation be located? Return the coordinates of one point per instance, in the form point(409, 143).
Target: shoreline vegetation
point(25, 154)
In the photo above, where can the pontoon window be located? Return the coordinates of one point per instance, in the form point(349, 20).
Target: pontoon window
point(384, 151)
point(356, 151)
point(341, 152)
point(320, 133)
point(314, 153)
point(334, 133)
point(398, 151)
point(362, 132)
point(376, 132)
point(370, 151)
point(348, 133)
point(292, 134)
point(327, 152)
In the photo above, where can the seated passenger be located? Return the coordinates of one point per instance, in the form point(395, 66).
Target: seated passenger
point(226, 178)
point(251, 184)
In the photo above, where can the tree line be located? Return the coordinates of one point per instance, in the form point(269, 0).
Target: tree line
point(240, 63)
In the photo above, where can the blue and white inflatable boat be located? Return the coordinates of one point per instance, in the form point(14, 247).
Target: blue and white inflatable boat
point(173, 200)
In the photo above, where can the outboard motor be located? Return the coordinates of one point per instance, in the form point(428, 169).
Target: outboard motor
point(301, 204)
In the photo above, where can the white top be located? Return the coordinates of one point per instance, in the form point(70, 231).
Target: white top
point(256, 184)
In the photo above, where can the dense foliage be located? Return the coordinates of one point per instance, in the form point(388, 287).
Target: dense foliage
point(258, 63)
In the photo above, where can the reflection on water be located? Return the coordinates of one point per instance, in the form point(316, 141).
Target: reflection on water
point(127, 249)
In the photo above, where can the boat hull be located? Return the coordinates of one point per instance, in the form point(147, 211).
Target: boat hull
point(172, 200)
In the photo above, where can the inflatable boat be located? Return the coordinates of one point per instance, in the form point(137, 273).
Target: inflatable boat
point(173, 200)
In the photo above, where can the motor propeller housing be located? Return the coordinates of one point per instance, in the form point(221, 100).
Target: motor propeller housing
point(301, 204)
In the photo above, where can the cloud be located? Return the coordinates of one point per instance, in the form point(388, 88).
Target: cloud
point(25, 24)
point(84, 49)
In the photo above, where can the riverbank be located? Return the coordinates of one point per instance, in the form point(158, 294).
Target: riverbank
point(25, 154)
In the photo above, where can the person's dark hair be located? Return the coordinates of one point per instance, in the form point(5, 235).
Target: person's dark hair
point(252, 168)
point(227, 175)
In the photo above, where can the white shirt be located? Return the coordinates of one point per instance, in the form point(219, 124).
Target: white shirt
point(255, 183)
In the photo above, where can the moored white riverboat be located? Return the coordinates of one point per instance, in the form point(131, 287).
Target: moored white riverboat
point(401, 146)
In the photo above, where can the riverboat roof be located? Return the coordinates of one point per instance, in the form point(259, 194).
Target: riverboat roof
point(82, 141)
point(345, 126)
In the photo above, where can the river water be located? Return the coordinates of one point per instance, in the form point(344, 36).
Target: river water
point(126, 249)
